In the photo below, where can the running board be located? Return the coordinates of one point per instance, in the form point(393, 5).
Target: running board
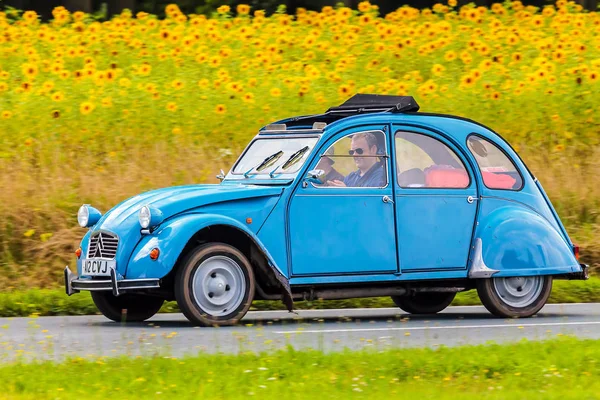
point(351, 293)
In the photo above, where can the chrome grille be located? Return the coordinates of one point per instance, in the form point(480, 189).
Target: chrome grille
point(103, 245)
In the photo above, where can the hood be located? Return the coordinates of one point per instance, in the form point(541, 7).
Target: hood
point(175, 200)
point(122, 220)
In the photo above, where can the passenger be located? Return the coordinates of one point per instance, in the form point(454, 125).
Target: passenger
point(371, 172)
point(411, 178)
point(326, 164)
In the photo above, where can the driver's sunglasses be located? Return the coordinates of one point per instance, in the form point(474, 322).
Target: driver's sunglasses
point(358, 151)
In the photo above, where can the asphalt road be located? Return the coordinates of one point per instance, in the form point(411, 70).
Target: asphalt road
point(170, 334)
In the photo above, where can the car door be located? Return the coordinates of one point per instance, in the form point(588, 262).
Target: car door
point(346, 225)
point(436, 201)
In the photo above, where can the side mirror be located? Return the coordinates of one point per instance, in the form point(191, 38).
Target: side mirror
point(316, 176)
point(221, 176)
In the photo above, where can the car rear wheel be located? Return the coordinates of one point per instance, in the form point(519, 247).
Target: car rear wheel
point(127, 307)
point(424, 303)
point(214, 285)
point(517, 297)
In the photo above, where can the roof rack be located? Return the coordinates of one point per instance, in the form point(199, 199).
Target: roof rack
point(361, 103)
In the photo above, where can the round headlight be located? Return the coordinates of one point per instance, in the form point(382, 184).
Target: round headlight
point(145, 217)
point(83, 216)
point(88, 216)
point(150, 217)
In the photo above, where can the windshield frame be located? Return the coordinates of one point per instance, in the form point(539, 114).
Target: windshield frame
point(281, 174)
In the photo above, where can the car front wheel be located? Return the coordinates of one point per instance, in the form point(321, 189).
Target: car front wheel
point(214, 285)
point(516, 297)
point(424, 303)
point(127, 307)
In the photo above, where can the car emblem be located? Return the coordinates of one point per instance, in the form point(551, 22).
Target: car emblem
point(99, 248)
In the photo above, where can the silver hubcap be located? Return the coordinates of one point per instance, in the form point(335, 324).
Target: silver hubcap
point(519, 292)
point(219, 285)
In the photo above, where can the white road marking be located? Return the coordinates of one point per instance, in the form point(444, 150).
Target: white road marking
point(399, 311)
point(427, 328)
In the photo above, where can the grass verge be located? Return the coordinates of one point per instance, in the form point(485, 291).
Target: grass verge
point(565, 368)
point(56, 302)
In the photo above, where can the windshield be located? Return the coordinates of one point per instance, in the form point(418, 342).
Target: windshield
point(283, 155)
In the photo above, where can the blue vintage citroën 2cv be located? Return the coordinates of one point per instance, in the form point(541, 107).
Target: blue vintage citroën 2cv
point(371, 198)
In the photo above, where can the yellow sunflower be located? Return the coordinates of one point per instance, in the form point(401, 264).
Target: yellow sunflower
point(86, 108)
point(220, 109)
point(243, 9)
point(58, 97)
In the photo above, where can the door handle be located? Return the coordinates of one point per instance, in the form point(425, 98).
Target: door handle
point(471, 199)
point(387, 199)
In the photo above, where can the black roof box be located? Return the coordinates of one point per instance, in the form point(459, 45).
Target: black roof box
point(376, 103)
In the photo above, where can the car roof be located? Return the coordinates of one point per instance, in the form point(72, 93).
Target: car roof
point(372, 108)
point(368, 109)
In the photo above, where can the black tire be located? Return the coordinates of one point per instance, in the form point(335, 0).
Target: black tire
point(127, 307)
point(491, 299)
point(424, 303)
point(187, 295)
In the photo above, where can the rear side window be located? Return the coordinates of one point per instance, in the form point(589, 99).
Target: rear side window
point(497, 170)
point(422, 161)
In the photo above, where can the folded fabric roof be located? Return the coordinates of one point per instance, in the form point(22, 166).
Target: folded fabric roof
point(376, 102)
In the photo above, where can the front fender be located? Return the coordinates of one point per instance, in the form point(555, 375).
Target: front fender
point(172, 239)
point(516, 241)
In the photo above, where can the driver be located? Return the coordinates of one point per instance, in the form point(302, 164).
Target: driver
point(370, 172)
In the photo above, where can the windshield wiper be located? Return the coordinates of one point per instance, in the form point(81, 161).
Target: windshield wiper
point(294, 158)
point(266, 162)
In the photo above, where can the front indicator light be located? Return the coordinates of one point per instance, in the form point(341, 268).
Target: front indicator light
point(78, 252)
point(154, 253)
point(576, 251)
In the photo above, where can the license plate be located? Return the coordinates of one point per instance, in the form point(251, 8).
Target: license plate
point(97, 267)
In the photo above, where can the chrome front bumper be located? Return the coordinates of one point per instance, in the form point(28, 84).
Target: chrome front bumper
point(74, 285)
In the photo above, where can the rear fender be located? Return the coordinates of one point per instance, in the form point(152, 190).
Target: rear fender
point(513, 240)
point(172, 239)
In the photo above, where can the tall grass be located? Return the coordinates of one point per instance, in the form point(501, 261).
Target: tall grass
point(95, 113)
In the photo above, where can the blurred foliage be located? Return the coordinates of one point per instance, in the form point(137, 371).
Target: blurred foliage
point(95, 112)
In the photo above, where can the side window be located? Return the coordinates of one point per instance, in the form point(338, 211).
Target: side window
point(356, 160)
point(497, 170)
point(422, 161)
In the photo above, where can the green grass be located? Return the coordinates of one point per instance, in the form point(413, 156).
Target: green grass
point(563, 368)
point(56, 302)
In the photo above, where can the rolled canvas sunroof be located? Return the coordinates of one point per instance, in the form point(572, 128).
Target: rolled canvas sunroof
point(376, 102)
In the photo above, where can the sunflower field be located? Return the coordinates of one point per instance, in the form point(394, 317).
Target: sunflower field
point(94, 112)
